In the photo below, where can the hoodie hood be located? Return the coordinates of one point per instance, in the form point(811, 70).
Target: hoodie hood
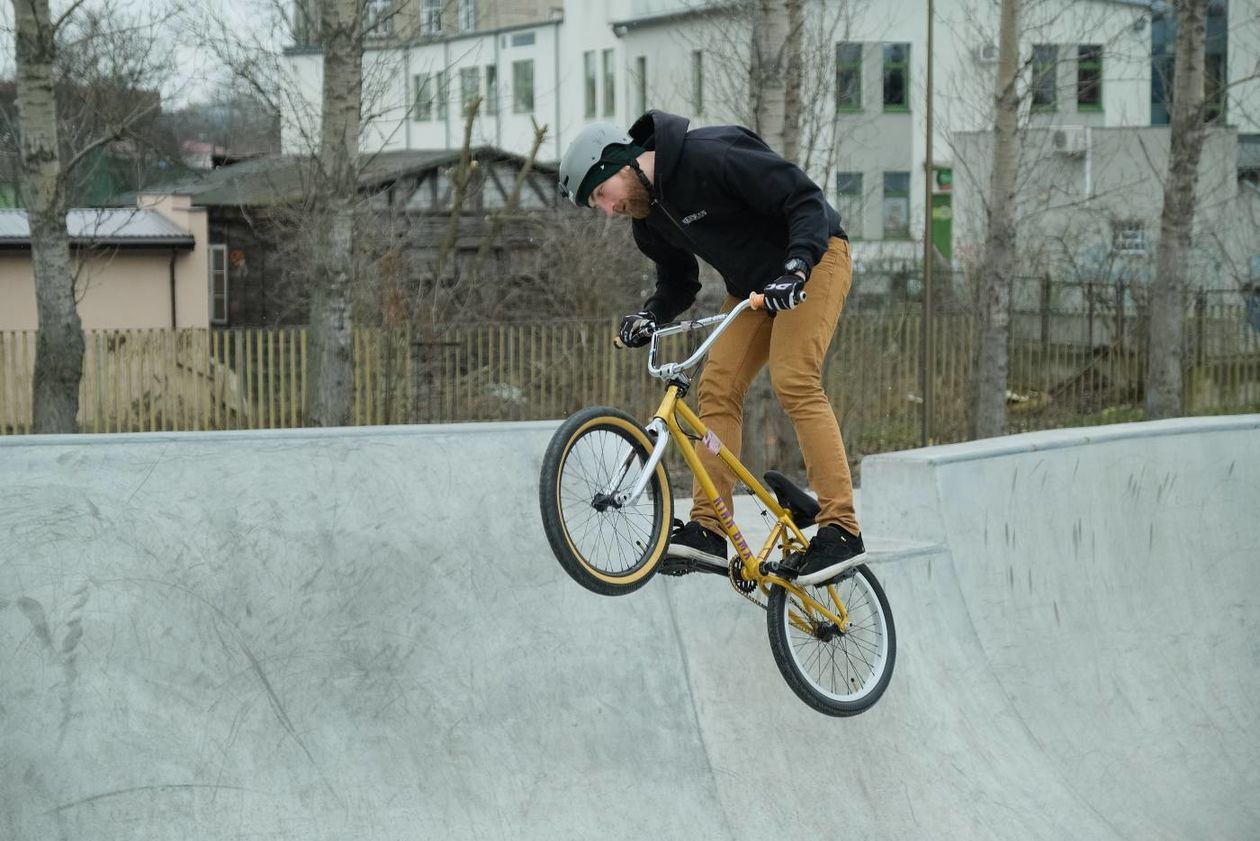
point(663, 132)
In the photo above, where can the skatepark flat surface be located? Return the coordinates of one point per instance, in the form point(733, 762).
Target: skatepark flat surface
point(362, 634)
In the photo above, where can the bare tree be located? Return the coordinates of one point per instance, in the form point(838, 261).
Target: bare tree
point(1000, 247)
point(59, 347)
point(1167, 314)
point(332, 368)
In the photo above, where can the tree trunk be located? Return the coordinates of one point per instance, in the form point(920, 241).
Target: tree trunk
point(999, 265)
point(59, 345)
point(769, 441)
point(332, 360)
point(1164, 393)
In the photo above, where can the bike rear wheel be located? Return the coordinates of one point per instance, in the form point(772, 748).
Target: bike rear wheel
point(837, 672)
point(608, 549)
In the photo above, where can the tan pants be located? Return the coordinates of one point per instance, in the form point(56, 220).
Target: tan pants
point(795, 343)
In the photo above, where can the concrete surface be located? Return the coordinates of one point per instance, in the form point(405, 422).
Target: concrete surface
point(362, 635)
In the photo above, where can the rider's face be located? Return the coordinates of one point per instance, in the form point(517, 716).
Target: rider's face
point(621, 195)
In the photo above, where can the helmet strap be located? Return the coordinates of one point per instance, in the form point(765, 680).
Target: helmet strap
point(643, 179)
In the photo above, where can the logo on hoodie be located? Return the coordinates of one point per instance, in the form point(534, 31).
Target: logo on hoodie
point(695, 217)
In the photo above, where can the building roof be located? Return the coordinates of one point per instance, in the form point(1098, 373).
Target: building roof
point(275, 179)
point(118, 227)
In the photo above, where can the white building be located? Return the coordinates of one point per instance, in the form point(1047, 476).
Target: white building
point(1088, 64)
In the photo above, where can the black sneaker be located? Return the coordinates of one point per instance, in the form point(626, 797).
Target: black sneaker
point(832, 548)
point(695, 542)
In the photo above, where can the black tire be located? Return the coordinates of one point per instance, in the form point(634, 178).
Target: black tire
point(614, 551)
point(844, 675)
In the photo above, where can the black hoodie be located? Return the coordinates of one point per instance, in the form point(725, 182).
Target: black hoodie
point(724, 196)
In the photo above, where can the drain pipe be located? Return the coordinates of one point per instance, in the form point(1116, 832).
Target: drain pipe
point(174, 323)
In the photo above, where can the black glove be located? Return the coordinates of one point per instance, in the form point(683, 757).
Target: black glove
point(636, 330)
point(785, 293)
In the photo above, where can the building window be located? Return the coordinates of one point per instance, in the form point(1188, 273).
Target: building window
point(469, 86)
point(492, 89)
point(589, 82)
point(640, 85)
point(896, 77)
point(610, 83)
point(697, 81)
point(378, 18)
point(896, 205)
point(523, 39)
point(848, 77)
point(443, 93)
point(423, 109)
point(523, 86)
point(849, 203)
point(1128, 236)
point(1089, 77)
point(1045, 77)
point(1249, 160)
point(431, 17)
point(467, 15)
point(1216, 50)
point(218, 284)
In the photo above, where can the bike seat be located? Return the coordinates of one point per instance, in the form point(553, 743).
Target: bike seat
point(801, 506)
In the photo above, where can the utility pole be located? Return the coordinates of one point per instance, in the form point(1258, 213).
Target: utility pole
point(925, 363)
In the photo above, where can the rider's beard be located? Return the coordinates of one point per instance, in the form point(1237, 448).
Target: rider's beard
point(637, 203)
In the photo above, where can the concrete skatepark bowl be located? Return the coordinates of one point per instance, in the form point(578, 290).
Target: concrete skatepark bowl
point(361, 634)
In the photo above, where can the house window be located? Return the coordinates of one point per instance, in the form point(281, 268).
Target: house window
point(469, 86)
point(1045, 71)
point(697, 81)
point(467, 15)
point(492, 89)
point(378, 18)
point(1128, 236)
point(523, 39)
point(523, 86)
point(588, 77)
point(640, 84)
point(431, 17)
point(443, 93)
point(849, 203)
point(896, 77)
point(610, 83)
point(848, 77)
point(423, 109)
point(1089, 77)
point(218, 284)
point(896, 205)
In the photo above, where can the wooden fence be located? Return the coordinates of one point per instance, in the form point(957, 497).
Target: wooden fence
point(148, 380)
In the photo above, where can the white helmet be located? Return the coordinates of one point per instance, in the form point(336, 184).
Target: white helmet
point(584, 153)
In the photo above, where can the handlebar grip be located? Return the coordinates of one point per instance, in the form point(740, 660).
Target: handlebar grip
point(757, 301)
point(618, 343)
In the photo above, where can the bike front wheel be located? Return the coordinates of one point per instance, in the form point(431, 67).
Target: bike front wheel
point(608, 548)
point(836, 671)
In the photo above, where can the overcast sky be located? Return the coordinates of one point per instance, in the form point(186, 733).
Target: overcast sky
point(196, 74)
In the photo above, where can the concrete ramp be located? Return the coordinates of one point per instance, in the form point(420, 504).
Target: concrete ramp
point(361, 634)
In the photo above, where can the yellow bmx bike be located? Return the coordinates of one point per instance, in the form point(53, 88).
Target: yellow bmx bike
point(607, 511)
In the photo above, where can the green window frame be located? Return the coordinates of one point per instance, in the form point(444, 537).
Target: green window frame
point(1089, 77)
point(848, 77)
point(1045, 78)
point(523, 86)
point(896, 205)
point(697, 82)
point(896, 77)
point(849, 201)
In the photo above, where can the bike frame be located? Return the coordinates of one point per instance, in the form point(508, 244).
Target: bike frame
point(667, 424)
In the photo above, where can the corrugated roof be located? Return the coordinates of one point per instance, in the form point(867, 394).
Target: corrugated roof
point(108, 226)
